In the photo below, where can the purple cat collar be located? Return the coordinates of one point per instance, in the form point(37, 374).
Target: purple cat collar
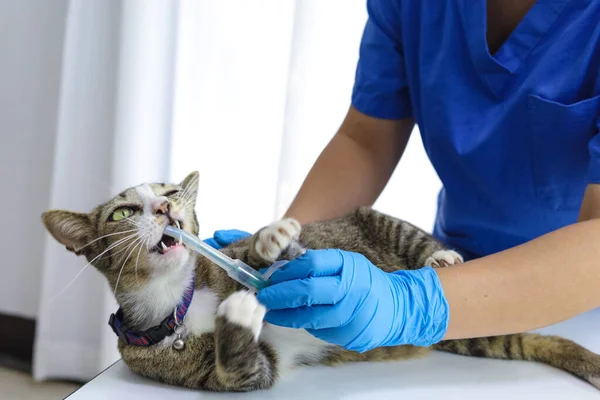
point(156, 333)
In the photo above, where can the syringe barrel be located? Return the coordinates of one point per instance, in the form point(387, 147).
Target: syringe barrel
point(236, 269)
point(248, 276)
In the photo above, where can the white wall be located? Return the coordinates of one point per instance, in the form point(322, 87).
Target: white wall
point(31, 41)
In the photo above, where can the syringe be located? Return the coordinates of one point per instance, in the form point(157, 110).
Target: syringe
point(236, 269)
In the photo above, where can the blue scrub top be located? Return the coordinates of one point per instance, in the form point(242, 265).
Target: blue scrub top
point(513, 136)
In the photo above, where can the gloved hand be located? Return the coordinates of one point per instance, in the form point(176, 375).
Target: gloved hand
point(342, 298)
point(224, 238)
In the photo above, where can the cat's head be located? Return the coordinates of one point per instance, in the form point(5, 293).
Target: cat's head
point(123, 238)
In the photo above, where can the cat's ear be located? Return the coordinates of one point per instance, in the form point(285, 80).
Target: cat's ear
point(190, 186)
point(71, 229)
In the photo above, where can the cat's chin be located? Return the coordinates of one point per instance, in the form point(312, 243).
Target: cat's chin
point(173, 258)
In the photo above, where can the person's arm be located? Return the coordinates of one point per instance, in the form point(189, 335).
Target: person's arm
point(353, 169)
point(542, 282)
point(590, 207)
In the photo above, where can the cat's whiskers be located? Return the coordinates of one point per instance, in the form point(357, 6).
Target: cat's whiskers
point(187, 202)
point(187, 192)
point(132, 222)
point(138, 259)
point(112, 246)
point(184, 200)
point(191, 183)
point(139, 242)
point(104, 236)
point(186, 197)
point(119, 252)
point(129, 247)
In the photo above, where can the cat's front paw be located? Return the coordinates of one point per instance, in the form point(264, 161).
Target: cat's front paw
point(275, 238)
point(443, 258)
point(242, 308)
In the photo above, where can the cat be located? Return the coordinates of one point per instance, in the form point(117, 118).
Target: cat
point(224, 345)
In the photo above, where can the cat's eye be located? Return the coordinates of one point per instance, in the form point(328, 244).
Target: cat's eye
point(171, 193)
point(121, 213)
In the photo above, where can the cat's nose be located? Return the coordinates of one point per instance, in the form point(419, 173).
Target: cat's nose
point(161, 207)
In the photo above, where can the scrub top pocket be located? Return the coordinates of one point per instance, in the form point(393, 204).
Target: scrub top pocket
point(560, 134)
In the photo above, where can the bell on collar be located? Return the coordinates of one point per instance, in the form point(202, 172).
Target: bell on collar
point(178, 344)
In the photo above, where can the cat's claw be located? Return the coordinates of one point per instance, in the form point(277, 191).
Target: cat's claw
point(242, 308)
point(443, 258)
point(275, 238)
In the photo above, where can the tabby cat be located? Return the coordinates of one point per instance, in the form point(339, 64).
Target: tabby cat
point(224, 345)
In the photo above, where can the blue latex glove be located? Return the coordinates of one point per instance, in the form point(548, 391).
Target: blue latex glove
point(342, 298)
point(224, 238)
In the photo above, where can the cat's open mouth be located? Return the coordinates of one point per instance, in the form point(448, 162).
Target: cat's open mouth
point(167, 243)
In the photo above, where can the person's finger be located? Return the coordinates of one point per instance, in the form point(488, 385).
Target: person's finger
point(226, 237)
point(263, 270)
point(327, 290)
point(315, 317)
point(212, 243)
point(313, 263)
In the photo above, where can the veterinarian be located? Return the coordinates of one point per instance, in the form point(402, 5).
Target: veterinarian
point(506, 95)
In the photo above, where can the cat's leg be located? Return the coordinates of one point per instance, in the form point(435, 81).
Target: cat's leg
point(443, 258)
point(242, 361)
point(277, 241)
point(227, 360)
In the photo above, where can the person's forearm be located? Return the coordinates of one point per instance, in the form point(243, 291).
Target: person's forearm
point(542, 282)
point(352, 170)
point(590, 207)
point(344, 177)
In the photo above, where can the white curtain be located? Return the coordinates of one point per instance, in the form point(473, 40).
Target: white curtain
point(261, 87)
point(246, 92)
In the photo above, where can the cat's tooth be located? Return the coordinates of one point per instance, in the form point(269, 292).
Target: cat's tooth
point(178, 227)
point(180, 241)
point(163, 246)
